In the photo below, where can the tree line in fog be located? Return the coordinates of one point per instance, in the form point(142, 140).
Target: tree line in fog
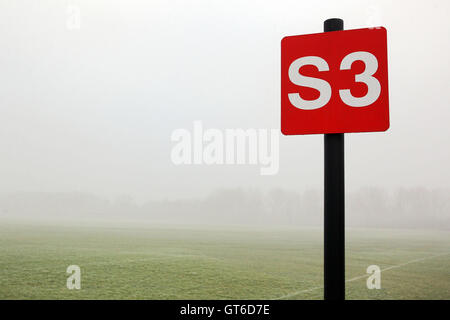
point(366, 207)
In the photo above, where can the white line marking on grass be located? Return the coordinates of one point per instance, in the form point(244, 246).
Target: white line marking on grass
point(399, 265)
point(297, 293)
point(363, 276)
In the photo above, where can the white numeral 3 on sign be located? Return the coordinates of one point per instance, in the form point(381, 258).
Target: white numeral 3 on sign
point(373, 85)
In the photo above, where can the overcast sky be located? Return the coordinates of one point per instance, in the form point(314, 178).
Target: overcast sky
point(92, 109)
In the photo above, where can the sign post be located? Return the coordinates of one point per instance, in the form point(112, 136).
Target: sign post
point(334, 205)
point(333, 83)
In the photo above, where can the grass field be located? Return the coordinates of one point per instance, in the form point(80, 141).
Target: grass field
point(149, 262)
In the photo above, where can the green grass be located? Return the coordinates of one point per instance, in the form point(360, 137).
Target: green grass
point(148, 262)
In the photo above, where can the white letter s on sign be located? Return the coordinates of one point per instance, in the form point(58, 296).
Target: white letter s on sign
point(319, 84)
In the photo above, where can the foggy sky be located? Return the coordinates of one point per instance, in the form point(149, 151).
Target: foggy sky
point(92, 110)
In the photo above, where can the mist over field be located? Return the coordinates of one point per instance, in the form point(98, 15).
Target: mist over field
point(368, 208)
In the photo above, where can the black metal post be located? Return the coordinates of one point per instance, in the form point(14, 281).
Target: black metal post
point(334, 205)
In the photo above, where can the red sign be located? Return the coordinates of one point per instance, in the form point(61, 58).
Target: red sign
point(335, 82)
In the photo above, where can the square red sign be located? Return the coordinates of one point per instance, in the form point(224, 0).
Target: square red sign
point(335, 82)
